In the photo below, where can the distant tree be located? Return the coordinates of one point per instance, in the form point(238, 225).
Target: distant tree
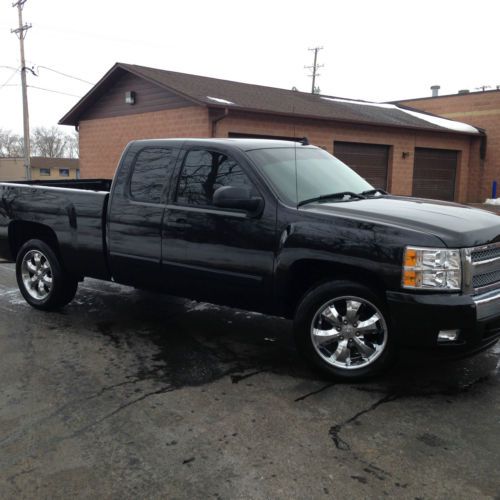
point(11, 144)
point(72, 145)
point(48, 142)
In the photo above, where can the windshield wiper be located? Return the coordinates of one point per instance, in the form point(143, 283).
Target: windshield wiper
point(371, 192)
point(332, 196)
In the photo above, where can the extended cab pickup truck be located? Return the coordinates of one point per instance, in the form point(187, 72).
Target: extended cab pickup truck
point(278, 227)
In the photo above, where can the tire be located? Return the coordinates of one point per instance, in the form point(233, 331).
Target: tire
point(342, 328)
point(41, 279)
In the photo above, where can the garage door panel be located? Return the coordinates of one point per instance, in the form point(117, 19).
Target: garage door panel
point(368, 160)
point(434, 173)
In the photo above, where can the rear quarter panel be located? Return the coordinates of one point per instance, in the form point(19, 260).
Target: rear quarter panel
point(75, 216)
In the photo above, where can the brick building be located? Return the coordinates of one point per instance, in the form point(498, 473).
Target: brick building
point(481, 109)
point(393, 147)
point(12, 169)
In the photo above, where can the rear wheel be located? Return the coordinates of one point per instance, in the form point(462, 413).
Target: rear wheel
point(41, 279)
point(342, 329)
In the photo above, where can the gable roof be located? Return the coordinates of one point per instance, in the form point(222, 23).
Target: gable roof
point(217, 93)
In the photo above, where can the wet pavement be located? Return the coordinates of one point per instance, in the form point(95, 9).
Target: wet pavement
point(126, 394)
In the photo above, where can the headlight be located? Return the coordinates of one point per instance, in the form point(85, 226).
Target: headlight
point(432, 268)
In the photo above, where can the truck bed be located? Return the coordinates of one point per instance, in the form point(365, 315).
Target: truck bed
point(73, 210)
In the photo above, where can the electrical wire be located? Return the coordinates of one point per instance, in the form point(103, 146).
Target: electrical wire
point(66, 75)
point(9, 79)
point(53, 91)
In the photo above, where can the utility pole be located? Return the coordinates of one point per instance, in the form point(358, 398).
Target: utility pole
point(314, 68)
point(21, 31)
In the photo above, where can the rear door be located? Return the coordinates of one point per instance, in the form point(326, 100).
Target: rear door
point(434, 173)
point(214, 254)
point(370, 161)
point(136, 213)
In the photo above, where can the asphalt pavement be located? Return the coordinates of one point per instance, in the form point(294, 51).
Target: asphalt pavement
point(126, 394)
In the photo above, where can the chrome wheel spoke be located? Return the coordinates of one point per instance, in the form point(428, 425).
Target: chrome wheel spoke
point(364, 349)
point(352, 310)
point(332, 315)
point(369, 324)
point(31, 266)
point(47, 279)
point(325, 336)
point(342, 354)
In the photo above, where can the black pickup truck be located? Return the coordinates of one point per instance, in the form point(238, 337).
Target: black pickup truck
point(272, 226)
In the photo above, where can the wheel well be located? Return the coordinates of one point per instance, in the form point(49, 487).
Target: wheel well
point(21, 231)
point(306, 274)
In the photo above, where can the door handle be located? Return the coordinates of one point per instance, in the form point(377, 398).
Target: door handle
point(180, 223)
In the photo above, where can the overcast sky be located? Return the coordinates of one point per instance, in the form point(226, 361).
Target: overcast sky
point(374, 50)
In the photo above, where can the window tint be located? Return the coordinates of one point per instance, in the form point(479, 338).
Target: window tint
point(204, 172)
point(150, 174)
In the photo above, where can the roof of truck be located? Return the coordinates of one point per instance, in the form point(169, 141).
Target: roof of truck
point(243, 144)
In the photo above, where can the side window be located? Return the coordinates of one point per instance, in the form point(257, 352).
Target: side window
point(151, 171)
point(205, 171)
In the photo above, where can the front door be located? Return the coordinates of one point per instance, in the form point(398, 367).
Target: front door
point(215, 254)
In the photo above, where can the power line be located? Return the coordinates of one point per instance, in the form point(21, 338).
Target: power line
point(66, 75)
point(9, 79)
point(43, 88)
point(53, 91)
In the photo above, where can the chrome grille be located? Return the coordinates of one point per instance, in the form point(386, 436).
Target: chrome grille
point(482, 268)
point(479, 280)
point(487, 254)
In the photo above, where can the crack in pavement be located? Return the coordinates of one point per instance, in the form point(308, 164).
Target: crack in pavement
point(313, 393)
point(336, 429)
point(398, 393)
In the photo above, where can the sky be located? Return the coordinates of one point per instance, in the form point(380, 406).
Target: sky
point(378, 50)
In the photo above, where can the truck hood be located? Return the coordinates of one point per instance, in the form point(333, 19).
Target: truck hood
point(456, 225)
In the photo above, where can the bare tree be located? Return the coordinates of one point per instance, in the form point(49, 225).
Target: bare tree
point(48, 142)
point(72, 145)
point(11, 144)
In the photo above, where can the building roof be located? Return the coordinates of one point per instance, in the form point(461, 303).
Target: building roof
point(217, 93)
point(458, 94)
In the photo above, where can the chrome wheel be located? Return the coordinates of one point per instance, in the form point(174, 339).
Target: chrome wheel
point(349, 332)
point(36, 274)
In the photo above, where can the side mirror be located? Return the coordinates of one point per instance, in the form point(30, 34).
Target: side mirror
point(239, 198)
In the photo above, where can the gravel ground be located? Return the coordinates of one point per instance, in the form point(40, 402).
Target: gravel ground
point(126, 394)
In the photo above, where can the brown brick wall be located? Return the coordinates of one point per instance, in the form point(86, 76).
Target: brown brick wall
point(481, 109)
point(325, 134)
point(102, 140)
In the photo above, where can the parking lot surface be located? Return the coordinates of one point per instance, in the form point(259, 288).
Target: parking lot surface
point(126, 394)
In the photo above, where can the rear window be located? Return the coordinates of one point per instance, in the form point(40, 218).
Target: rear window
point(152, 168)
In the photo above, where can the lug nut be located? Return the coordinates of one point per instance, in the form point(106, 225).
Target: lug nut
point(345, 322)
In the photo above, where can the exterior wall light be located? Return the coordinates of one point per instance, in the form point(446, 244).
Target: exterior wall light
point(130, 97)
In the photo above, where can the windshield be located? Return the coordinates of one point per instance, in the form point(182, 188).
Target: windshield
point(317, 173)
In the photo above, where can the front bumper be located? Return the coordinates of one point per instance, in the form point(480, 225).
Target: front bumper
point(416, 319)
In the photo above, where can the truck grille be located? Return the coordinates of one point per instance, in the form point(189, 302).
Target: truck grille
point(483, 267)
point(482, 255)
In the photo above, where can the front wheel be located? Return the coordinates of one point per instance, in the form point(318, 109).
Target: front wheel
point(342, 329)
point(41, 279)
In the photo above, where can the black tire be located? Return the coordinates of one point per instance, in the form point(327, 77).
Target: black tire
point(60, 288)
point(378, 336)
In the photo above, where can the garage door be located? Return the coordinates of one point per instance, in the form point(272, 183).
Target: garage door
point(368, 160)
point(434, 173)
